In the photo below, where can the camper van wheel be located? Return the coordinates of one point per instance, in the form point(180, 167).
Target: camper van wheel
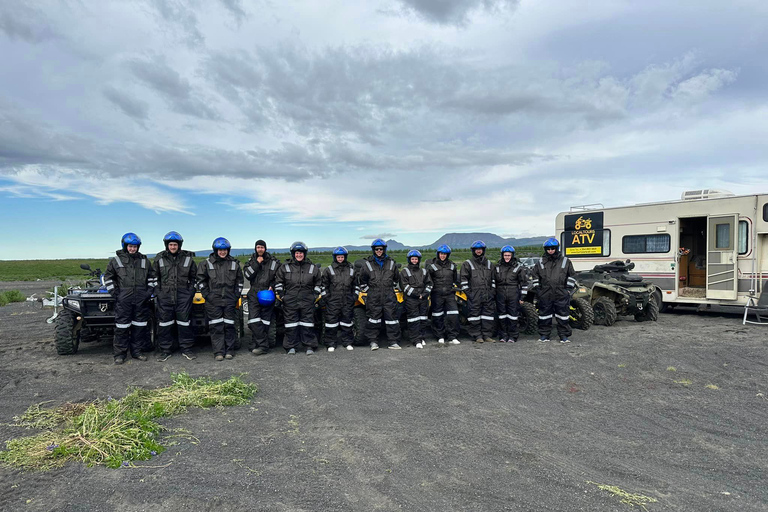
point(605, 311)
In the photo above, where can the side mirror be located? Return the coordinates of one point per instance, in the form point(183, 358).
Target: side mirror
point(85, 266)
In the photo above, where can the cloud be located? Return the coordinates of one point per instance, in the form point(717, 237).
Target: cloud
point(19, 20)
point(159, 76)
point(454, 12)
point(134, 108)
point(383, 236)
point(182, 16)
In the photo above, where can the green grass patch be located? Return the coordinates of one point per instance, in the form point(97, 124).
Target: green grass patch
point(111, 432)
point(712, 386)
point(684, 382)
point(627, 498)
point(63, 270)
point(11, 296)
point(671, 369)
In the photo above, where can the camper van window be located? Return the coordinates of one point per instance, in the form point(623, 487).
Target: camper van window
point(722, 236)
point(743, 236)
point(765, 212)
point(639, 244)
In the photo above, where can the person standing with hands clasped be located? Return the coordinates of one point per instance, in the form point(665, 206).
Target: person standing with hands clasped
point(511, 287)
point(553, 281)
point(445, 312)
point(378, 278)
point(220, 281)
point(416, 286)
point(338, 283)
point(298, 284)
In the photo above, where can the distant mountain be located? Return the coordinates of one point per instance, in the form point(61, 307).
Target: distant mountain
point(454, 240)
point(464, 240)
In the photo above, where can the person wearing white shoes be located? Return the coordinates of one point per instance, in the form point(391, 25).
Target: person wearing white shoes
point(338, 297)
point(445, 279)
point(416, 286)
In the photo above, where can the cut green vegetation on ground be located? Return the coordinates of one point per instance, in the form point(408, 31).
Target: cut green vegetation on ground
point(11, 296)
point(115, 432)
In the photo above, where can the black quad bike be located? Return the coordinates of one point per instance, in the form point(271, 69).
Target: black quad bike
point(87, 314)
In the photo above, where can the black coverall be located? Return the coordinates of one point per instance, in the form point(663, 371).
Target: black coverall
point(175, 290)
point(262, 277)
point(338, 283)
point(511, 286)
point(416, 286)
point(379, 282)
point(445, 312)
point(553, 279)
point(477, 279)
point(298, 284)
point(220, 281)
point(130, 279)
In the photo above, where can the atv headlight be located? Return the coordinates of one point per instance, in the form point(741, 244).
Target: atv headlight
point(74, 304)
point(583, 290)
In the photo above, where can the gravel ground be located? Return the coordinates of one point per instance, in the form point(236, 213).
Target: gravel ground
point(523, 426)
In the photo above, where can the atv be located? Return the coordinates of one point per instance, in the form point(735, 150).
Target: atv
point(87, 314)
point(613, 291)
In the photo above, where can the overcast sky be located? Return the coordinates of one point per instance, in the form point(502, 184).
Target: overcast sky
point(335, 121)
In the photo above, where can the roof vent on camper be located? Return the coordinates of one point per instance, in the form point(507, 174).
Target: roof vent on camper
point(707, 193)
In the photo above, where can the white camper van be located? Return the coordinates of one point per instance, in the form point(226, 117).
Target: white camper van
point(711, 247)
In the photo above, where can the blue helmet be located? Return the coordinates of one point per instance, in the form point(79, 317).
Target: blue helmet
point(221, 243)
point(551, 242)
point(477, 244)
point(340, 251)
point(130, 239)
point(413, 253)
point(298, 247)
point(266, 297)
point(379, 243)
point(173, 236)
point(507, 248)
point(445, 249)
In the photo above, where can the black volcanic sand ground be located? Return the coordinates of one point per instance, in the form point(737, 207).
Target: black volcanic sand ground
point(519, 426)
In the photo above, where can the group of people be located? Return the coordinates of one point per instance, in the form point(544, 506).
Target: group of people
point(173, 278)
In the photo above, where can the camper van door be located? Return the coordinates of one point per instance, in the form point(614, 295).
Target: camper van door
point(722, 268)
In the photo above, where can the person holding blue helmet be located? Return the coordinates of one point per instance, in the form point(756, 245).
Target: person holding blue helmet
point(298, 284)
point(176, 273)
point(260, 270)
point(378, 278)
point(553, 280)
point(338, 284)
point(445, 312)
point(416, 286)
point(131, 281)
point(478, 281)
point(511, 286)
point(220, 281)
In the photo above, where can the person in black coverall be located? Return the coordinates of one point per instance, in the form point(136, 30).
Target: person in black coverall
point(445, 312)
point(130, 279)
point(176, 273)
point(260, 270)
point(477, 279)
point(338, 284)
point(220, 281)
point(416, 285)
point(511, 287)
point(298, 284)
point(378, 278)
point(553, 281)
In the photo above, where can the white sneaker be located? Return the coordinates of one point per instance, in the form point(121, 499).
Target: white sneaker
point(331, 349)
point(441, 341)
point(423, 343)
point(374, 346)
point(455, 342)
point(350, 347)
point(418, 345)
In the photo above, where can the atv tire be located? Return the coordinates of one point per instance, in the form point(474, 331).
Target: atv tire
point(360, 319)
point(528, 322)
point(605, 311)
point(67, 342)
point(651, 313)
point(582, 315)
